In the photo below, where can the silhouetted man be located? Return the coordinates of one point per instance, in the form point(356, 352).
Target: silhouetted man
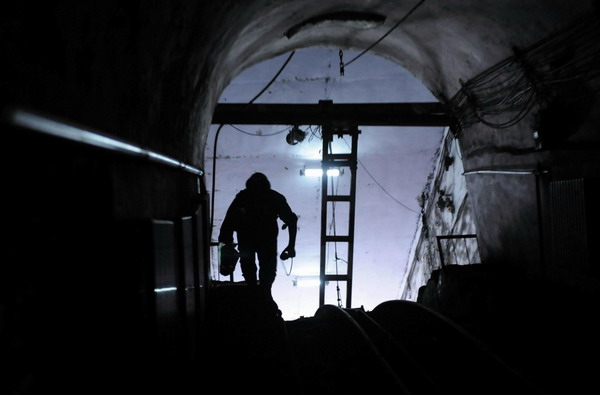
point(253, 217)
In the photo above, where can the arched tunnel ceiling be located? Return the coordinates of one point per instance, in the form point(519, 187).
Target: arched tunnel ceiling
point(441, 42)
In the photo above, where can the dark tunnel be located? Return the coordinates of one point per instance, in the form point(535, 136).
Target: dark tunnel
point(107, 283)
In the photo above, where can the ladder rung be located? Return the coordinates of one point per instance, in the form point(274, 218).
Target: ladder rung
point(338, 198)
point(337, 156)
point(338, 163)
point(335, 277)
point(337, 238)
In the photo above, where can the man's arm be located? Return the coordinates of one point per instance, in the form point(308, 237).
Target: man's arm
point(292, 225)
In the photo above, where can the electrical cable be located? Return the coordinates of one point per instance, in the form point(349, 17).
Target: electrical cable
point(259, 135)
point(274, 77)
point(288, 273)
point(385, 190)
point(550, 68)
point(381, 186)
point(337, 269)
point(214, 172)
point(343, 65)
point(334, 228)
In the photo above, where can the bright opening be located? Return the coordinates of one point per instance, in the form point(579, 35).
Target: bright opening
point(394, 165)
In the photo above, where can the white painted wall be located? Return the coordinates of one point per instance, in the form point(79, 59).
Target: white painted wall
point(442, 220)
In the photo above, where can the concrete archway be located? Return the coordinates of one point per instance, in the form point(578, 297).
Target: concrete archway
point(439, 42)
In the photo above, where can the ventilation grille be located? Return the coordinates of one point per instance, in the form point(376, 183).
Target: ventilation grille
point(569, 225)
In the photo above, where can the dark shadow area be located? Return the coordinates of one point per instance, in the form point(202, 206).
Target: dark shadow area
point(400, 347)
point(545, 331)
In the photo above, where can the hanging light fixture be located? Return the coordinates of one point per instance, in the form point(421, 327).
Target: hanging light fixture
point(295, 135)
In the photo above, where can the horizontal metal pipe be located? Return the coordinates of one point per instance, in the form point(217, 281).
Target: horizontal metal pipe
point(510, 172)
point(42, 124)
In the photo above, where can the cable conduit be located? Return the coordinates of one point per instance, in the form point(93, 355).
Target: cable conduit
point(335, 312)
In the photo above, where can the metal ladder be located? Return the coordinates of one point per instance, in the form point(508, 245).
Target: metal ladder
point(337, 161)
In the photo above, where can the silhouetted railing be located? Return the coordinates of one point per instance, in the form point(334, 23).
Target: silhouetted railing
point(444, 252)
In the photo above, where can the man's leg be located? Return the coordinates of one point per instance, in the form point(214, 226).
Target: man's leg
point(267, 260)
point(248, 262)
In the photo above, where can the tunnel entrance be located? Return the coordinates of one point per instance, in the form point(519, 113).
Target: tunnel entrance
point(256, 141)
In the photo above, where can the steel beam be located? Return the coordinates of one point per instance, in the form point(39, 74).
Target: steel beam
point(334, 115)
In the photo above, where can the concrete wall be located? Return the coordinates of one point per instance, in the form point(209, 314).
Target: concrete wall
point(446, 210)
point(526, 164)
